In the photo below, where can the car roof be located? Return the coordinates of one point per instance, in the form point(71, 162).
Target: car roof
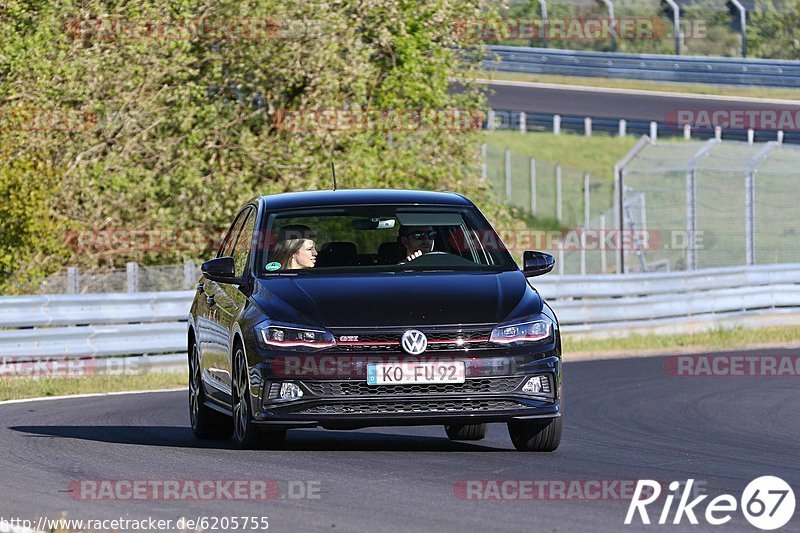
point(362, 197)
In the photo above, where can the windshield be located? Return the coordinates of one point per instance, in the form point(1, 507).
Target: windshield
point(379, 238)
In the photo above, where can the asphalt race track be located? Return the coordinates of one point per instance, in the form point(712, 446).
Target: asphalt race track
point(626, 419)
point(577, 102)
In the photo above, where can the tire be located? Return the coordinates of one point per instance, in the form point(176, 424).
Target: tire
point(536, 436)
point(206, 422)
point(245, 432)
point(466, 432)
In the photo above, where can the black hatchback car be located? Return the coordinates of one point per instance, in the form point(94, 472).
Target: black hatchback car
point(357, 308)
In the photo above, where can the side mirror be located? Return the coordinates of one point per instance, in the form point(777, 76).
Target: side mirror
point(220, 270)
point(537, 263)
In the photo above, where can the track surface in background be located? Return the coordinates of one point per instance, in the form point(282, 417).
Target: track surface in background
point(615, 105)
point(626, 419)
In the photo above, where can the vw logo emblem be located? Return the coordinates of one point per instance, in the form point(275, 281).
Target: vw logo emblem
point(414, 341)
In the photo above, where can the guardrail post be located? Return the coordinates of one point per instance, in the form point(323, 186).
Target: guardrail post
point(780, 136)
point(483, 161)
point(490, 120)
point(556, 124)
point(623, 127)
point(189, 274)
point(508, 173)
point(687, 131)
point(653, 131)
point(523, 126)
point(558, 193)
point(718, 133)
point(587, 126)
point(533, 187)
point(73, 283)
point(132, 271)
point(751, 136)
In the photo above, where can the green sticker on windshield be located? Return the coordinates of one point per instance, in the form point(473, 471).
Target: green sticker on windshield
point(272, 266)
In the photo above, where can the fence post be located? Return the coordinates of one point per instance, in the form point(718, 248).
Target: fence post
point(483, 161)
point(687, 131)
point(603, 246)
point(780, 136)
point(556, 124)
point(718, 133)
point(533, 187)
point(691, 220)
point(623, 127)
point(490, 120)
point(751, 135)
point(73, 284)
point(587, 126)
point(653, 131)
point(132, 270)
point(586, 217)
point(560, 258)
point(618, 207)
point(558, 193)
point(523, 125)
point(189, 275)
point(508, 173)
point(749, 216)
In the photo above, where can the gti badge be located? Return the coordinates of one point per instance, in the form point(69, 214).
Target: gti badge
point(414, 341)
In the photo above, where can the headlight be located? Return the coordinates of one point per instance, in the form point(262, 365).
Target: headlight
point(522, 332)
point(295, 338)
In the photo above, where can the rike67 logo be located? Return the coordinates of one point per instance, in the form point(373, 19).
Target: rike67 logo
point(767, 503)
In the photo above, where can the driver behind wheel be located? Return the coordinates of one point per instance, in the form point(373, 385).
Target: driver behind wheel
point(417, 240)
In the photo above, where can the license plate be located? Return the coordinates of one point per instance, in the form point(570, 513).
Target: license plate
point(412, 372)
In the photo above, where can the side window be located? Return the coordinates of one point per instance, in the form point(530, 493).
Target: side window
point(241, 251)
point(226, 248)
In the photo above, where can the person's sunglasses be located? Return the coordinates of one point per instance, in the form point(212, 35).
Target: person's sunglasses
point(419, 235)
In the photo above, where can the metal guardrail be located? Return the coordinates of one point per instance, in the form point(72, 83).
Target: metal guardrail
point(685, 69)
point(583, 303)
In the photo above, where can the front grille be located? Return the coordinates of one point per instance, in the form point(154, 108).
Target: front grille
point(421, 406)
point(438, 339)
point(360, 388)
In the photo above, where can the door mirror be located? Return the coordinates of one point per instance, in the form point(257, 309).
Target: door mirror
point(220, 270)
point(537, 263)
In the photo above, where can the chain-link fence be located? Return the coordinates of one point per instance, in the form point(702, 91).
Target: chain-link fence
point(133, 278)
point(574, 209)
point(712, 204)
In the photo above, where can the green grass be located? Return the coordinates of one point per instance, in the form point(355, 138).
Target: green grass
point(645, 85)
point(596, 155)
point(12, 389)
point(710, 341)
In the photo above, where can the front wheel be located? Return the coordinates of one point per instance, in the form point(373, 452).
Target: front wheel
point(536, 435)
point(246, 433)
point(206, 422)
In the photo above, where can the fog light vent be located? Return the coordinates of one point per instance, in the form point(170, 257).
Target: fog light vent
point(537, 384)
point(274, 390)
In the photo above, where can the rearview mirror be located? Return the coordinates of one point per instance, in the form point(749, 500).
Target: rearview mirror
point(220, 270)
point(537, 263)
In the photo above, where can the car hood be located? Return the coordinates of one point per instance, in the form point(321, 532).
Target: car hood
point(397, 299)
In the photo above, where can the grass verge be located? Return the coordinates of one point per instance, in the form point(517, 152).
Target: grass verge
point(738, 338)
point(645, 85)
point(18, 388)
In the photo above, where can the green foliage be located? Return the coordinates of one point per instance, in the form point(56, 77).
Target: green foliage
point(774, 30)
point(179, 132)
